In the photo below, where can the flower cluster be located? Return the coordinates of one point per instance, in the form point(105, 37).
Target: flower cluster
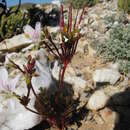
point(33, 34)
point(70, 35)
point(6, 84)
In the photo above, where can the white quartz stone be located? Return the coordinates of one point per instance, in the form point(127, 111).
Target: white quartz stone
point(98, 100)
point(106, 75)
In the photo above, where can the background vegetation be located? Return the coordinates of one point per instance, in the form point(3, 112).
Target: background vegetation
point(79, 3)
point(124, 5)
point(117, 47)
point(12, 24)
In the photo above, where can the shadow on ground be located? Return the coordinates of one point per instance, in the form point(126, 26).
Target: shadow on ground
point(120, 103)
point(75, 112)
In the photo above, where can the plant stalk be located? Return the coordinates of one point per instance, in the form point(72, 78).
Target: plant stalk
point(62, 75)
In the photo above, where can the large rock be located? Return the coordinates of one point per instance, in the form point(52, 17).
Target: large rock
point(18, 58)
point(109, 116)
point(12, 114)
point(44, 78)
point(17, 118)
point(70, 77)
point(106, 75)
point(98, 100)
point(15, 43)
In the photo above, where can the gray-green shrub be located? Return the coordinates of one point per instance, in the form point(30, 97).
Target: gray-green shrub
point(117, 47)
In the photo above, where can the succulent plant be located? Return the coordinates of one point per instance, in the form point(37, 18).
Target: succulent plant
point(12, 24)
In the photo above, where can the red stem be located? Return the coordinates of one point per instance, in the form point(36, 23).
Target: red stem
point(37, 98)
point(81, 16)
point(62, 75)
point(54, 46)
point(51, 50)
point(76, 19)
point(32, 110)
point(61, 18)
point(75, 46)
point(70, 19)
point(16, 66)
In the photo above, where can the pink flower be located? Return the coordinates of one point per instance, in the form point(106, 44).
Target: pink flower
point(6, 84)
point(33, 34)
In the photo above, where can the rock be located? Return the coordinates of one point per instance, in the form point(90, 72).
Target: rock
point(94, 126)
point(98, 119)
point(42, 67)
point(15, 43)
point(128, 75)
point(38, 6)
point(17, 119)
point(55, 70)
point(109, 116)
point(97, 101)
point(13, 115)
point(3, 116)
point(82, 46)
point(78, 82)
point(115, 66)
point(54, 29)
point(106, 75)
point(70, 77)
point(18, 58)
point(56, 2)
point(42, 57)
point(125, 83)
point(95, 26)
point(44, 78)
point(28, 48)
point(115, 24)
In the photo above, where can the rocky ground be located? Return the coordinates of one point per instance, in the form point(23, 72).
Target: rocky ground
point(99, 83)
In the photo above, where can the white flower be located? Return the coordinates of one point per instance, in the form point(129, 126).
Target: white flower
point(6, 84)
point(33, 34)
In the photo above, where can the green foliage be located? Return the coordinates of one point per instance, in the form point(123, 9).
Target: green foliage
point(117, 47)
point(112, 19)
point(12, 24)
point(124, 5)
point(79, 3)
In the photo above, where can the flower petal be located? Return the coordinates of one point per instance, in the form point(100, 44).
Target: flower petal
point(3, 78)
point(13, 83)
point(36, 36)
point(29, 31)
point(38, 27)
